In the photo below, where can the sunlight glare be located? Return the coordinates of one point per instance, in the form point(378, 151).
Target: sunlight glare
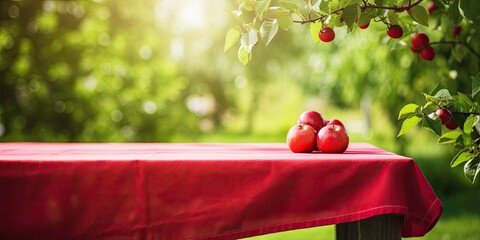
point(193, 14)
point(190, 14)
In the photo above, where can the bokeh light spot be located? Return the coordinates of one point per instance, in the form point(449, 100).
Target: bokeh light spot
point(104, 39)
point(90, 83)
point(149, 107)
point(177, 49)
point(103, 13)
point(240, 81)
point(13, 11)
point(201, 105)
point(116, 115)
point(145, 52)
point(2, 129)
point(59, 107)
point(48, 6)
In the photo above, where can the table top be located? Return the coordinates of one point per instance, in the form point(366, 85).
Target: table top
point(202, 190)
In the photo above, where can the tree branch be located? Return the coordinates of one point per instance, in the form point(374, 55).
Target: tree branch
point(363, 8)
point(463, 43)
point(465, 113)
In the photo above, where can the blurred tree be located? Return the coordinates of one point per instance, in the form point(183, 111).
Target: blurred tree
point(101, 71)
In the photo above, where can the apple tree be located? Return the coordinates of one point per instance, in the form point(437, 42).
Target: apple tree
point(450, 111)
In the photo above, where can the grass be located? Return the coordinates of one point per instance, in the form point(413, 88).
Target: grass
point(466, 227)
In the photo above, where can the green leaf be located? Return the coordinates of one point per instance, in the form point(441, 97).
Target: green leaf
point(459, 119)
point(247, 5)
point(243, 55)
point(324, 7)
point(469, 123)
point(313, 5)
point(467, 140)
point(232, 37)
point(285, 22)
point(290, 6)
point(444, 95)
point(338, 21)
point(454, 12)
point(236, 14)
point(419, 14)
point(249, 39)
point(314, 29)
point(262, 7)
point(449, 137)
point(407, 19)
point(459, 144)
point(437, 88)
point(408, 124)
point(393, 18)
point(343, 3)
point(459, 52)
point(463, 102)
point(365, 17)
point(470, 10)
point(350, 13)
point(461, 157)
point(476, 85)
point(268, 30)
point(408, 110)
point(429, 107)
point(471, 169)
point(432, 125)
point(276, 12)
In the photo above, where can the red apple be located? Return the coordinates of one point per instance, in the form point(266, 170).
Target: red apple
point(364, 26)
point(395, 31)
point(456, 31)
point(313, 119)
point(444, 114)
point(335, 122)
point(419, 41)
point(332, 139)
point(446, 118)
point(326, 34)
point(451, 124)
point(427, 54)
point(431, 7)
point(301, 138)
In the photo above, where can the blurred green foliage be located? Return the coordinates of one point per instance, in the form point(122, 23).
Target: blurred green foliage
point(106, 71)
point(155, 70)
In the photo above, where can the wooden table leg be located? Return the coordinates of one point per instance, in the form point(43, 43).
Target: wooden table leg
point(382, 227)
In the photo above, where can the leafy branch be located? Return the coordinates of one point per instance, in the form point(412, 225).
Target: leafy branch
point(363, 8)
point(461, 118)
point(261, 19)
point(462, 43)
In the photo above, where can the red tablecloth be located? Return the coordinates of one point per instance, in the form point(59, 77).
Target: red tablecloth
point(201, 190)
